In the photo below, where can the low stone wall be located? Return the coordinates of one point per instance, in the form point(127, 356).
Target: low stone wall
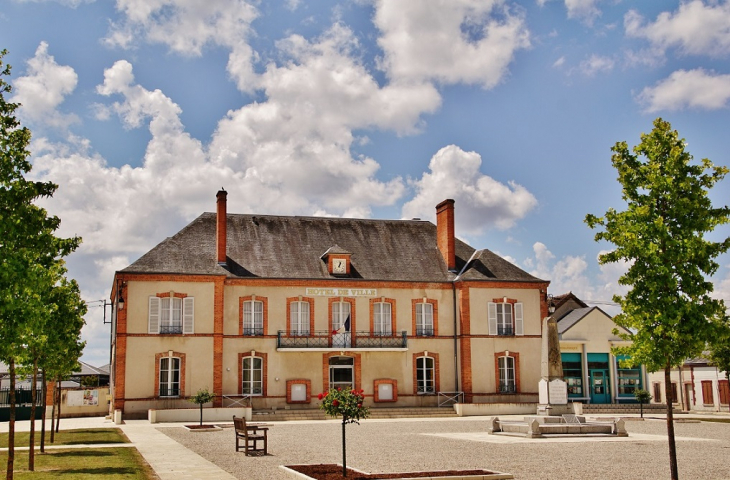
point(624, 408)
point(193, 414)
point(482, 409)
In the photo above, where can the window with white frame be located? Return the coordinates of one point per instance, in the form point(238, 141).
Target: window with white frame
point(382, 320)
point(341, 324)
point(170, 377)
point(171, 315)
point(424, 319)
point(507, 375)
point(505, 318)
point(299, 318)
point(253, 317)
point(425, 375)
point(252, 376)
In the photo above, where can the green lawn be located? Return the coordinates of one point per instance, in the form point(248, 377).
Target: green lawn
point(79, 463)
point(69, 437)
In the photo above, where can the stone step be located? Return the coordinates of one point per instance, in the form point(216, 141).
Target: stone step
point(317, 414)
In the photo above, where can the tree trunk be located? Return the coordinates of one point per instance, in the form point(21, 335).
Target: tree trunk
point(44, 390)
point(344, 449)
point(31, 438)
point(201, 415)
point(53, 414)
point(674, 475)
point(58, 417)
point(11, 423)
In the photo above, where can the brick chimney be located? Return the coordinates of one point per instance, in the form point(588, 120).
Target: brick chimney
point(220, 224)
point(445, 232)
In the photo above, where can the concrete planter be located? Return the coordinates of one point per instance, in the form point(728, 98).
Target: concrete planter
point(192, 415)
point(493, 476)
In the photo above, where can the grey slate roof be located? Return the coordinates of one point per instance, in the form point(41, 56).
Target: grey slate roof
point(572, 318)
point(266, 246)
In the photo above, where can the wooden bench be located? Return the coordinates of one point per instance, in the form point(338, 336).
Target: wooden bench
point(251, 435)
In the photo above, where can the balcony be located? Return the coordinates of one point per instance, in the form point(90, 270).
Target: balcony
point(505, 330)
point(325, 340)
point(170, 329)
point(507, 387)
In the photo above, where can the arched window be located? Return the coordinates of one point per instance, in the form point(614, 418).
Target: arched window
point(507, 383)
point(252, 377)
point(425, 375)
point(253, 317)
point(169, 377)
point(382, 318)
point(299, 318)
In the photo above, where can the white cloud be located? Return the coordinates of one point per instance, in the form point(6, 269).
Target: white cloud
point(67, 3)
point(584, 10)
point(687, 89)
point(596, 64)
point(464, 41)
point(559, 62)
point(187, 26)
point(44, 88)
point(481, 201)
point(696, 28)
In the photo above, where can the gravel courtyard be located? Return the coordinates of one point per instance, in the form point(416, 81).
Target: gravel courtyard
point(379, 446)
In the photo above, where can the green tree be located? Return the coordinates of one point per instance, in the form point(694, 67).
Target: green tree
point(348, 404)
point(29, 249)
point(661, 237)
point(642, 396)
point(202, 397)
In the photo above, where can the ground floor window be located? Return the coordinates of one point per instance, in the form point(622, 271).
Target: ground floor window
point(170, 377)
point(707, 396)
point(252, 382)
point(425, 375)
point(629, 379)
point(657, 392)
point(573, 373)
point(724, 388)
point(507, 375)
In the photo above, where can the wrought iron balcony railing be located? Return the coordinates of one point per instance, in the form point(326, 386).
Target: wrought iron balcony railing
point(507, 388)
point(326, 339)
point(170, 329)
point(424, 331)
point(505, 330)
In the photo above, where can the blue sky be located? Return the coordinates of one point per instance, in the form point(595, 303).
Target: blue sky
point(141, 110)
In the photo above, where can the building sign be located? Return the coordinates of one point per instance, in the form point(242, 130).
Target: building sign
point(341, 292)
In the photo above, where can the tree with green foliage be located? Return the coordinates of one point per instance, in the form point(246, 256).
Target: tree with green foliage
point(202, 397)
point(668, 310)
point(29, 249)
point(348, 404)
point(642, 396)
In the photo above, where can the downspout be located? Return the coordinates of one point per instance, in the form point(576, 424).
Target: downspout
point(456, 342)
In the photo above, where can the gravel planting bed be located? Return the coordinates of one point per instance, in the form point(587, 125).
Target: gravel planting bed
point(381, 446)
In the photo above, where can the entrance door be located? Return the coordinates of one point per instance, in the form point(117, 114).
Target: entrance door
point(600, 388)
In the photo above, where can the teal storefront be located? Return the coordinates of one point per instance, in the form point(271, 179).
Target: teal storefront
point(628, 380)
point(592, 381)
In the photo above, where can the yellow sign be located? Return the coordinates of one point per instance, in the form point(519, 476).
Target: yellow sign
point(341, 292)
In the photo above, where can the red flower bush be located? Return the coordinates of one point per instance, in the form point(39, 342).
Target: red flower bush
point(345, 403)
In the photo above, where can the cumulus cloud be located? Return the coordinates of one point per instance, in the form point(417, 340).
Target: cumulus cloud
point(695, 28)
point(697, 88)
point(584, 10)
point(44, 88)
point(481, 201)
point(187, 26)
point(596, 64)
point(67, 3)
point(465, 41)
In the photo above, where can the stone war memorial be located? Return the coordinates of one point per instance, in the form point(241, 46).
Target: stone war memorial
point(555, 416)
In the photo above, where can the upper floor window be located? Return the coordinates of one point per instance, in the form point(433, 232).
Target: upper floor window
point(424, 319)
point(253, 317)
point(382, 318)
point(299, 318)
point(505, 317)
point(171, 314)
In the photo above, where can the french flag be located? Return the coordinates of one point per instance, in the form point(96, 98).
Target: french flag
point(344, 328)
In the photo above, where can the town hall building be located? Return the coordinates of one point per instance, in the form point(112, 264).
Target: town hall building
point(276, 309)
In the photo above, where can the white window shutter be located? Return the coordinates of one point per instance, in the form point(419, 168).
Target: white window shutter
point(492, 312)
point(188, 315)
point(518, 319)
point(154, 316)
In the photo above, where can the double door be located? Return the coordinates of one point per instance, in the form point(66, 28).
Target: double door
point(600, 386)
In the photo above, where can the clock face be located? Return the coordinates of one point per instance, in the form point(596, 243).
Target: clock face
point(339, 265)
